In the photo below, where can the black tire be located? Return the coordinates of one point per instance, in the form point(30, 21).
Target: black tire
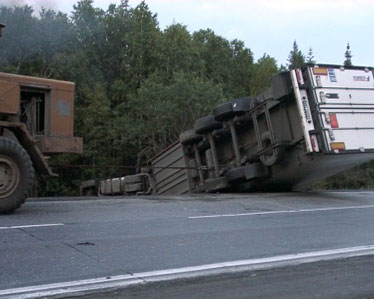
point(16, 175)
point(133, 179)
point(206, 124)
point(133, 188)
point(189, 137)
point(203, 146)
point(241, 105)
point(223, 112)
point(221, 134)
point(243, 121)
point(271, 157)
point(245, 173)
point(91, 191)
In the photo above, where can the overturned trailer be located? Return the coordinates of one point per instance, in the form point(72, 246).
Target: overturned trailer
point(311, 123)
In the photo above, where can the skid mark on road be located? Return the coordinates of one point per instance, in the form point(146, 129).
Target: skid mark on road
point(284, 212)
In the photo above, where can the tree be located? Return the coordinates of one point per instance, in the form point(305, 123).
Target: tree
point(310, 57)
point(215, 53)
point(160, 111)
point(263, 70)
point(296, 58)
point(348, 56)
point(241, 70)
point(31, 42)
point(226, 63)
point(116, 23)
point(179, 53)
point(143, 49)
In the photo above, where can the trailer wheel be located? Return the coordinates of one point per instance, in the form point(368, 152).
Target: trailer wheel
point(245, 173)
point(16, 175)
point(241, 105)
point(206, 124)
point(223, 112)
point(243, 121)
point(189, 137)
point(271, 157)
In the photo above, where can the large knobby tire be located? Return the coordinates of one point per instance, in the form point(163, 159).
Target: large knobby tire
point(206, 124)
point(16, 175)
point(189, 137)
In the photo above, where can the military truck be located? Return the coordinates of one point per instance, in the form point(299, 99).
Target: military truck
point(311, 123)
point(36, 122)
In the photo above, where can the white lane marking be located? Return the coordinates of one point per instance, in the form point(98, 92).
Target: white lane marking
point(283, 212)
point(31, 225)
point(87, 285)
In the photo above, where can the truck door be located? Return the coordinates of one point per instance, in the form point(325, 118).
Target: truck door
point(32, 110)
point(345, 100)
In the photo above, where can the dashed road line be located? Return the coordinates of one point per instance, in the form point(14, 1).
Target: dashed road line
point(31, 226)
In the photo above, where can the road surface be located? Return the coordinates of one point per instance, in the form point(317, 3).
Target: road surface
point(60, 240)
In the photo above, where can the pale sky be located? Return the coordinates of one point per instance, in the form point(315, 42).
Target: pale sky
point(268, 26)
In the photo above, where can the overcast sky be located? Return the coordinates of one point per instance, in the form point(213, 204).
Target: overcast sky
point(268, 26)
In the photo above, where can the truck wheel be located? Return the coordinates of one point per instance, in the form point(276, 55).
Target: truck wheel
point(246, 173)
point(223, 112)
point(189, 137)
point(271, 157)
point(206, 124)
point(243, 121)
point(16, 175)
point(241, 105)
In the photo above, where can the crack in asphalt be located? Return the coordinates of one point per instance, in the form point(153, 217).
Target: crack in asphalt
point(82, 252)
point(30, 234)
point(98, 260)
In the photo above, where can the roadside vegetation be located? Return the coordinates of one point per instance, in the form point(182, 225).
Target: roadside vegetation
point(137, 85)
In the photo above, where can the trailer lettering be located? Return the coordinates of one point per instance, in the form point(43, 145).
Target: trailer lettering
point(361, 78)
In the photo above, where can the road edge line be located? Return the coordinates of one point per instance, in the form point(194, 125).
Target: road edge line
point(87, 286)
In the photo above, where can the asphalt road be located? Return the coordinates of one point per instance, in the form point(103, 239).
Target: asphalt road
point(65, 240)
point(334, 279)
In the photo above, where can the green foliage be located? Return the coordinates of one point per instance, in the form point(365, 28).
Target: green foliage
point(137, 87)
point(29, 43)
point(263, 70)
point(296, 58)
point(360, 177)
point(179, 53)
point(160, 112)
